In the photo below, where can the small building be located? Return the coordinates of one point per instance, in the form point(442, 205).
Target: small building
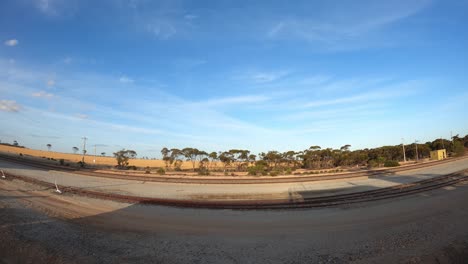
point(438, 154)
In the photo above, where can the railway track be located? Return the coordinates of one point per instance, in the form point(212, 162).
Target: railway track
point(233, 180)
point(313, 202)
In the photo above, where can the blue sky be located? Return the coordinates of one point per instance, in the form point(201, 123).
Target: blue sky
point(216, 75)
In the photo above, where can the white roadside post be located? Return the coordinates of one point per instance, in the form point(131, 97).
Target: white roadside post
point(404, 153)
point(56, 187)
point(3, 175)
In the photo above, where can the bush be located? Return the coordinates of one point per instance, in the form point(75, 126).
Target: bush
point(62, 161)
point(147, 170)
point(391, 163)
point(274, 173)
point(458, 148)
point(226, 173)
point(256, 170)
point(81, 164)
point(203, 172)
point(161, 171)
point(21, 154)
point(372, 164)
point(288, 171)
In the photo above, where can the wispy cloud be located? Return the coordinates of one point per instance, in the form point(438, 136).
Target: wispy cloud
point(161, 28)
point(43, 136)
point(82, 116)
point(392, 91)
point(235, 100)
point(9, 106)
point(262, 76)
point(11, 42)
point(56, 7)
point(190, 16)
point(42, 94)
point(342, 25)
point(125, 79)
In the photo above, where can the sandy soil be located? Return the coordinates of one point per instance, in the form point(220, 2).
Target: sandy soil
point(38, 226)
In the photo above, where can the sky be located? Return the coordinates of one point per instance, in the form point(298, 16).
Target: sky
point(220, 75)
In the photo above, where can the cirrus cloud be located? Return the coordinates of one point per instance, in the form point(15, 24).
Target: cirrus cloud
point(11, 42)
point(42, 94)
point(9, 106)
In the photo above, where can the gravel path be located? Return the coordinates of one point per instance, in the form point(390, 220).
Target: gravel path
point(231, 191)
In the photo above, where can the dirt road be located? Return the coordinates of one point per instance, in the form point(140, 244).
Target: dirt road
point(39, 226)
point(230, 191)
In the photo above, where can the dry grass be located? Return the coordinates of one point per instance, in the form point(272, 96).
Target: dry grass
point(88, 159)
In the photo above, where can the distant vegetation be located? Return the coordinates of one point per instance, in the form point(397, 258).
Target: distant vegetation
point(314, 158)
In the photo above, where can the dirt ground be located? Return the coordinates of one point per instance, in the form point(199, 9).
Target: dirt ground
point(39, 226)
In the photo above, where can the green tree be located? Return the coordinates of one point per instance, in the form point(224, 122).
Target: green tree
point(123, 156)
point(213, 158)
point(75, 149)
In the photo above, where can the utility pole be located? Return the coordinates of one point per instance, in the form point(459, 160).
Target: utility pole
point(453, 142)
point(94, 160)
point(84, 148)
point(416, 144)
point(403, 145)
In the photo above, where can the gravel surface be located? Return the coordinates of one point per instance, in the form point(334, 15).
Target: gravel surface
point(38, 226)
point(231, 191)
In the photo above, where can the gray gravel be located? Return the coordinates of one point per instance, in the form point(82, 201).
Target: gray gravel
point(429, 228)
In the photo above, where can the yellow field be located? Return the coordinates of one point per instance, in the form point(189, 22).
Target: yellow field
point(88, 159)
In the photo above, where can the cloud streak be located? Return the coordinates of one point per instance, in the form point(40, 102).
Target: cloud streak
point(42, 94)
point(9, 106)
point(342, 25)
point(11, 42)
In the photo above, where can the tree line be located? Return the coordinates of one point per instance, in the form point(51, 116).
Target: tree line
point(315, 157)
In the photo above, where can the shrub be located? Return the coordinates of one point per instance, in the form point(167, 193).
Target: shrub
point(372, 164)
point(21, 154)
point(62, 161)
point(274, 173)
point(233, 174)
point(288, 171)
point(226, 173)
point(161, 171)
point(391, 163)
point(203, 172)
point(147, 170)
point(81, 164)
point(256, 170)
point(264, 173)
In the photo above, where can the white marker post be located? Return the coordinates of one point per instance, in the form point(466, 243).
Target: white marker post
point(3, 175)
point(56, 187)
